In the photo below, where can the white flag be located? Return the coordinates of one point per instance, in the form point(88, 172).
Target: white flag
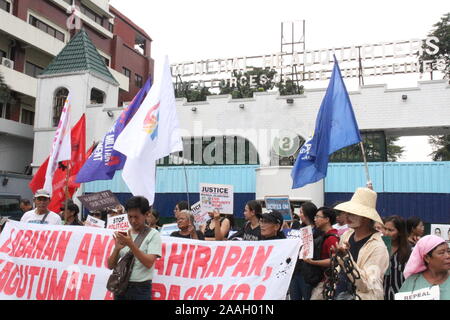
point(61, 148)
point(150, 135)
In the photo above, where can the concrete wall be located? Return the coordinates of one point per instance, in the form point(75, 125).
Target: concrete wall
point(15, 153)
point(17, 185)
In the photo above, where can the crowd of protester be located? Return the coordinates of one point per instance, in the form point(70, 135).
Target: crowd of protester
point(357, 254)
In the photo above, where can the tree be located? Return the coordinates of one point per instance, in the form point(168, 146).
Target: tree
point(442, 32)
point(394, 152)
point(184, 90)
point(441, 147)
point(5, 91)
point(289, 87)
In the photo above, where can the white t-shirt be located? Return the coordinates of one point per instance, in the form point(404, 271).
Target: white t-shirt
point(32, 217)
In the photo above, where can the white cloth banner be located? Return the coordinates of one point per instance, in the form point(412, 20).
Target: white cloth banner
point(61, 147)
point(151, 134)
point(46, 262)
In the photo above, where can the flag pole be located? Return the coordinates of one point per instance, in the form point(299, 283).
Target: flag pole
point(66, 187)
point(369, 183)
point(186, 181)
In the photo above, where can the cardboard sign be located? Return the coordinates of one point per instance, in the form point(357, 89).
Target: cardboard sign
point(167, 229)
point(94, 222)
point(216, 197)
point(200, 217)
point(441, 230)
point(99, 201)
point(118, 223)
point(279, 203)
point(306, 240)
point(432, 293)
point(72, 265)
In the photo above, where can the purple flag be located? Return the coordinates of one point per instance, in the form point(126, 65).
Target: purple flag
point(104, 161)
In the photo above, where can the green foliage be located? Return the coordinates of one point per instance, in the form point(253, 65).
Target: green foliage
point(192, 95)
point(442, 32)
point(441, 147)
point(394, 152)
point(262, 77)
point(5, 92)
point(289, 87)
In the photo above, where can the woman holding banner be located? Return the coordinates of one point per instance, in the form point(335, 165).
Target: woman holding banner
point(144, 255)
point(428, 267)
point(216, 228)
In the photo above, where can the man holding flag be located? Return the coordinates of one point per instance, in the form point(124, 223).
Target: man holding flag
point(335, 129)
point(150, 135)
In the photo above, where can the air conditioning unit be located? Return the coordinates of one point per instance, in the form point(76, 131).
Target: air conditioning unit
point(8, 63)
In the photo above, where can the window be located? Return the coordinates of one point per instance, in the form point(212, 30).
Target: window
point(5, 111)
point(97, 96)
point(106, 61)
point(138, 81)
point(32, 70)
point(127, 72)
point(5, 5)
point(58, 104)
point(2, 54)
point(68, 1)
point(92, 15)
point(111, 27)
point(46, 28)
point(27, 117)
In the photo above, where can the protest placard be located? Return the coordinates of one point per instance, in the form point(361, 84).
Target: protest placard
point(431, 293)
point(216, 197)
point(305, 238)
point(441, 230)
point(94, 222)
point(99, 201)
point(199, 216)
point(118, 223)
point(279, 203)
point(168, 228)
point(54, 262)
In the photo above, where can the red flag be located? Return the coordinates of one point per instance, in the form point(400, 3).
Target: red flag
point(39, 178)
point(78, 157)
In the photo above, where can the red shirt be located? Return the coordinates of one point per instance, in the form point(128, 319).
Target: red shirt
point(328, 243)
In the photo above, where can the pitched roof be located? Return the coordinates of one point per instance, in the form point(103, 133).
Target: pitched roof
point(79, 54)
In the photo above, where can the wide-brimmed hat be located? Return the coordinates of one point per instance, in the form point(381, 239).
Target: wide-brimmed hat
point(363, 203)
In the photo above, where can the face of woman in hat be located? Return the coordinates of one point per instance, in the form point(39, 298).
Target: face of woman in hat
point(354, 221)
point(439, 260)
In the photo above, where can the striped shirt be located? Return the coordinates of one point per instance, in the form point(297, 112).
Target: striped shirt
point(394, 279)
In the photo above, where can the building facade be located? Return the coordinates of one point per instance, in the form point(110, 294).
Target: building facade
point(32, 34)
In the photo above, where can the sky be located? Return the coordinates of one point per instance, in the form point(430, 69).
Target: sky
point(206, 29)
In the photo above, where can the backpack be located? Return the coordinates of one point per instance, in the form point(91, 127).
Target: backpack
point(314, 274)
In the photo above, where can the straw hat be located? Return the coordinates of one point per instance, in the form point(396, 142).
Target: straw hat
point(363, 203)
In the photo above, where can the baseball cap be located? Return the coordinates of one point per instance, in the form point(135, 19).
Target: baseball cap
point(273, 216)
point(42, 193)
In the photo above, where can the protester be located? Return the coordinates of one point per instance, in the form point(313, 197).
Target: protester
point(182, 205)
point(428, 266)
point(361, 250)
point(415, 228)
point(324, 219)
point(216, 228)
point(152, 219)
point(380, 227)
point(41, 214)
point(271, 223)
point(395, 227)
point(140, 283)
point(120, 209)
point(25, 205)
point(298, 288)
point(185, 222)
point(252, 229)
point(340, 225)
point(71, 215)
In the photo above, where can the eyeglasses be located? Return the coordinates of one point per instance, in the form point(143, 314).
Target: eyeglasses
point(317, 216)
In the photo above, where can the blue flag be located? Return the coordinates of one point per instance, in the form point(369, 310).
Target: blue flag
point(336, 128)
point(104, 161)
